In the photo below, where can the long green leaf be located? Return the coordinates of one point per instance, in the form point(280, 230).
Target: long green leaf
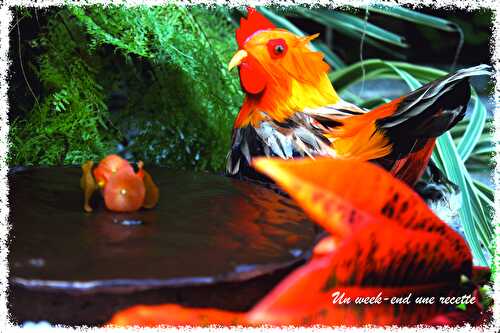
point(344, 28)
point(473, 131)
point(342, 20)
point(349, 96)
point(330, 57)
point(410, 81)
point(345, 77)
point(280, 21)
point(486, 191)
point(413, 16)
point(353, 73)
point(484, 148)
point(446, 148)
point(436, 158)
point(373, 103)
point(479, 211)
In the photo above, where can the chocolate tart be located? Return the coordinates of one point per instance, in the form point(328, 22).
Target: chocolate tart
point(212, 241)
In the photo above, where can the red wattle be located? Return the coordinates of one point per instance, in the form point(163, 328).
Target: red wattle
point(253, 78)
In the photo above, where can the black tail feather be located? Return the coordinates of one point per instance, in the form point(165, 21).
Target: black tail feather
point(429, 111)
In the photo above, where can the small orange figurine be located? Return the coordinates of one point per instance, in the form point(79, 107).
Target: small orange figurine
point(123, 189)
point(109, 166)
point(88, 184)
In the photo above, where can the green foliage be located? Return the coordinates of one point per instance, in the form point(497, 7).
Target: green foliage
point(67, 125)
point(167, 64)
point(186, 107)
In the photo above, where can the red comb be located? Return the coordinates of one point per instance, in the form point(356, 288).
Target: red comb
point(253, 23)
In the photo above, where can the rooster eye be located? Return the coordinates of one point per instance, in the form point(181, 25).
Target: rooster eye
point(277, 48)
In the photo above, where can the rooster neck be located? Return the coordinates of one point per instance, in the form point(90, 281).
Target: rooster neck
point(282, 100)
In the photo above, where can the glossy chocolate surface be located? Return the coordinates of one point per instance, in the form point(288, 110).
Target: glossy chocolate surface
point(206, 229)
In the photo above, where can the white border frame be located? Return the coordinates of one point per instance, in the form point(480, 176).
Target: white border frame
point(6, 21)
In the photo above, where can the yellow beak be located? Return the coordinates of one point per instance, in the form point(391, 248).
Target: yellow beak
point(237, 58)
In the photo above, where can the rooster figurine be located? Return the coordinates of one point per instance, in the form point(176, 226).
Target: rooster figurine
point(291, 109)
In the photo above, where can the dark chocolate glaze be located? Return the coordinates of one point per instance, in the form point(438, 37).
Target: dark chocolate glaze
point(207, 232)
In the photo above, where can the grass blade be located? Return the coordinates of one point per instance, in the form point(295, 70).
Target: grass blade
point(473, 130)
point(354, 23)
point(414, 16)
point(331, 58)
point(280, 21)
point(344, 28)
point(485, 190)
point(410, 81)
point(454, 171)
